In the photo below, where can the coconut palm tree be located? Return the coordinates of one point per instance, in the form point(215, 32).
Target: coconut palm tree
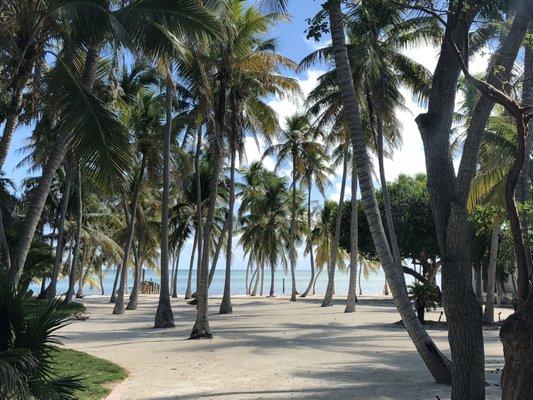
point(295, 144)
point(316, 173)
point(435, 361)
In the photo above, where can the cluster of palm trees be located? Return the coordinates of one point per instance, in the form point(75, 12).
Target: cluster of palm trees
point(140, 110)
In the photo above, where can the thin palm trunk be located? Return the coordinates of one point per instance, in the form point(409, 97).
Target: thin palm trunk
point(309, 244)
point(261, 289)
point(292, 255)
point(4, 247)
point(257, 279)
point(40, 194)
point(84, 273)
point(272, 277)
point(437, 364)
point(354, 224)
point(134, 295)
point(316, 278)
point(359, 282)
point(198, 207)
point(328, 297)
point(246, 279)
point(58, 261)
point(75, 253)
point(488, 315)
point(119, 303)
point(225, 306)
point(12, 119)
point(188, 291)
point(217, 251)
point(393, 242)
point(163, 316)
point(175, 276)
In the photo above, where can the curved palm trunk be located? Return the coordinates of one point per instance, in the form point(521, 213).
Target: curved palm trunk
point(354, 224)
point(272, 279)
point(393, 242)
point(257, 279)
point(134, 295)
point(310, 244)
point(55, 158)
point(163, 316)
point(175, 276)
point(12, 119)
point(225, 306)
point(198, 207)
point(316, 278)
point(58, 261)
point(292, 255)
point(359, 282)
point(217, 251)
point(84, 273)
point(119, 303)
point(262, 280)
point(188, 291)
point(75, 253)
point(488, 315)
point(246, 279)
point(328, 297)
point(437, 364)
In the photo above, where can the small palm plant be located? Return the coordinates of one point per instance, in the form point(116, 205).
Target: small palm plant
point(26, 348)
point(426, 296)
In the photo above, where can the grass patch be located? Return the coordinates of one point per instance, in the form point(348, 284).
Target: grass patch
point(65, 310)
point(96, 374)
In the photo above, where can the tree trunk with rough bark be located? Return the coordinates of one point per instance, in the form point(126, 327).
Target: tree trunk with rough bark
point(12, 119)
point(164, 317)
point(175, 275)
point(488, 315)
point(354, 235)
point(437, 364)
point(134, 295)
point(272, 277)
point(75, 253)
point(225, 306)
point(119, 303)
point(58, 261)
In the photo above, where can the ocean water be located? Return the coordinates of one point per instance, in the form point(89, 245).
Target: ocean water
point(373, 285)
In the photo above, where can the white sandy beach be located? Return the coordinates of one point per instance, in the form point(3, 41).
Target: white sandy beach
point(268, 349)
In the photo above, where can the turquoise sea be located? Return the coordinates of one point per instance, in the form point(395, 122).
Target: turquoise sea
point(373, 285)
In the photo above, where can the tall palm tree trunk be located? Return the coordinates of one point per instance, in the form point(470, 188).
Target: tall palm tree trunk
point(188, 291)
point(58, 261)
point(328, 297)
point(199, 228)
point(119, 304)
point(292, 255)
point(360, 292)
point(55, 158)
point(272, 279)
point(257, 279)
point(354, 236)
point(262, 280)
point(4, 247)
point(246, 279)
point(163, 316)
point(75, 253)
point(316, 278)
point(225, 306)
point(217, 251)
point(437, 364)
point(310, 245)
point(488, 315)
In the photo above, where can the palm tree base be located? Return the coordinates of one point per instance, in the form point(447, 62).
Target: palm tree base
point(163, 317)
point(132, 305)
point(193, 302)
point(327, 303)
point(293, 297)
point(119, 308)
point(201, 332)
point(226, 308)
point(350, 308)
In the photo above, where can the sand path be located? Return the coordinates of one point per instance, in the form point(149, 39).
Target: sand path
point(268, 349)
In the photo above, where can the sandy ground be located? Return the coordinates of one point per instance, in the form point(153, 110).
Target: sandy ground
point(268, 349)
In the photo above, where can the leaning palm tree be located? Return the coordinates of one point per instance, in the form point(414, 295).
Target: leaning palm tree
point(438, 365)
point(316, 173)
point(296, 143)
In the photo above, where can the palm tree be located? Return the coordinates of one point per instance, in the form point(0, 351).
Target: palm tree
point(435, 361)
point(295, 145)
point(80, 129)
point(317, 173)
